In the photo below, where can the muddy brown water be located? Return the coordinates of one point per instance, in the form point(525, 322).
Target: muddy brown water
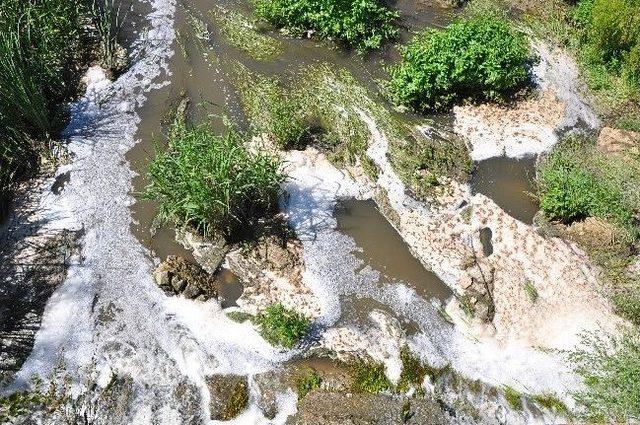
point(510, 183)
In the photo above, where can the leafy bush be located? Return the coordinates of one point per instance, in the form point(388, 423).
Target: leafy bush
point(363, 24)
point(479, 57)
point(610, 367)
point(576, 181)
point(281, 326)
point(212, 182)
point(368, 376)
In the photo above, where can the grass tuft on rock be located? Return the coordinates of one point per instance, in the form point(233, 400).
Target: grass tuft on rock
point(480, 58)
point(308, 382)
point(281, 326)
point(212, 182)
point(362, 24)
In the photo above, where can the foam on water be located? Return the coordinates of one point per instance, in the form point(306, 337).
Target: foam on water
point(109, 318)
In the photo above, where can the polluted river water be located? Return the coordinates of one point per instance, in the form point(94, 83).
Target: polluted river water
point(109, 319)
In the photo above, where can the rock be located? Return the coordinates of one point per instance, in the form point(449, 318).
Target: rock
point(618, 142)
point(229, 396)
point(209, 253)
point(465, 281)
point(191, 291)
point(178, 276)
point(178, 284)
point(332, 408)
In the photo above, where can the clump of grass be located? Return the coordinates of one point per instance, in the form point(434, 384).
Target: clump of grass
point(513, 397)
point(281, 326)
point(241, 34)
point(108, 17)
point(553, 403)
point(479, 57)
point(368, 376)
point(610, 367)
point(273, 110)
point(212, 182)
point(363, 24)
point(531, 291)
point(307, 383)
point(577, 181)
point(413, 371)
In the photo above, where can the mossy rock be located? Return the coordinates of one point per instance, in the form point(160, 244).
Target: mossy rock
point(229, 396)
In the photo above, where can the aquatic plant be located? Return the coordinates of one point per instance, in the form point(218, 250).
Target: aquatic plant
point(610, 368)
point(368, 376)
point(241, 34)
point(212, 182)
point(308, 382)
point(272, 109)
point(281, 326)
point(362, 24)
point(479, 58)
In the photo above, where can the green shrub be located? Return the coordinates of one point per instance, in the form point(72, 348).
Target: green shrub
point(281, 326)
point(610, 367)
point(307, 383)
point(576, 181)
point(479, 57)
point(212, 182)
point(368, 376)
point(363, 24)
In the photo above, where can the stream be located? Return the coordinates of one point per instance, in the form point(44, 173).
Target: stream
point(110, 320)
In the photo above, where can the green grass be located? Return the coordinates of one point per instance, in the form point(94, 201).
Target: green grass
point(308, 382)
point(576, 181)
point(272, 109)
point(281, 326)
point(362, 24)
point(212, 182)
point(368, 376)
point(480, 57)
point(610, 367)
point(243, 35)
point(108, 17)
point(553, 403)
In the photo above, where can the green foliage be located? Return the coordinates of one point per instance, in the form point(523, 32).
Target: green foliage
point(212, 182)
point(610, 367)
point(273, 110)
point(368, 376)
point(513, 397)
point(307, 383)
point(363, 24)
point(242, 34)
point(413, 371)
point(479, 57)
point(107, 17)
point(281, 326)
point(577, 181)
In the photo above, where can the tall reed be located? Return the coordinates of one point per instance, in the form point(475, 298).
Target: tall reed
point(107, 16)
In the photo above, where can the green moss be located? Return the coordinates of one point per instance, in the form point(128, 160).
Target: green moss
point(241, 34)
point(553, 403)
point(513, 397)
point(281, 326)
point(239, 316)
point(368, 376)
point(308, 382)
point(413, 371)
point(237, 402)
point(531, 291)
